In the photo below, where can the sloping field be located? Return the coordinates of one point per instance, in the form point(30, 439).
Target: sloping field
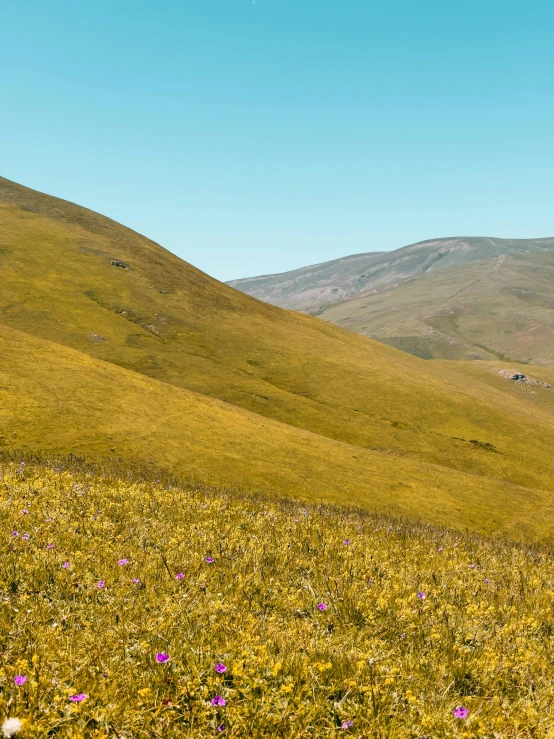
point(57, 400)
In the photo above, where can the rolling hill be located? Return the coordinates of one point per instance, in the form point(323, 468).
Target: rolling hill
point(496, 308)
point(112, 345)
point(312, 288)
point(462, 299)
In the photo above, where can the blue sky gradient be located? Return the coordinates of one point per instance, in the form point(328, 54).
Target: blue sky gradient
point(256, 137)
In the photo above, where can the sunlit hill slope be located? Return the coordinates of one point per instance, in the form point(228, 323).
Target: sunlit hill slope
point(112, 345)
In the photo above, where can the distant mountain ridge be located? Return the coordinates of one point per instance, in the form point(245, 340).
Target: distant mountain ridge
point(311, 288)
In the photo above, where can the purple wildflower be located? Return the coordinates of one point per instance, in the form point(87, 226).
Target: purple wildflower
point(486, 580)
point(421, 595)
point(346, 542)
point(471, 566)
point(220, 667)
point(179, 576)
point(20, 679)
point(50, 546)
point(26, 537)
point(218, 701)
point(162, 657)
point(78, 697)
point(122, 562)
point(347, 724)
point(100, 584)
point(439, 549)
point(15, 533)
point(135, 580)
point(209, 560)
point(65, 565)
point(221, 727)
point(322, 606)
point(461, 712)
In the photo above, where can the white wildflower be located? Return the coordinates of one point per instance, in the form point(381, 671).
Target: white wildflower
point(11, 726)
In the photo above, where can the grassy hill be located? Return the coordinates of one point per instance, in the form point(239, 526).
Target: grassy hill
point(137, 351)
point(312, 288)
point(57, 400)
point(270, 618)
point(496, 308)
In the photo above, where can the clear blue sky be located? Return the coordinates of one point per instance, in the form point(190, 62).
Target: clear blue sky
point(256, 137)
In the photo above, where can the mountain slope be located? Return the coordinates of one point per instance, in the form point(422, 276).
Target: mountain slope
point(312, 288)
point(54, 399)
point(63, 280)
point(495, 308)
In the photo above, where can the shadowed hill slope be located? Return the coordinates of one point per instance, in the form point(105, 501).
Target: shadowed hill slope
point(58, 400)
point(312, 288)
point(499, 308)
point(78, 279)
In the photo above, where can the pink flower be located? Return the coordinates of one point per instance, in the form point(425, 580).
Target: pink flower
point(78, 697)
point(220, 667)
point(162, 657)
point(486, 580)
point(218, 701)
point(20, 679)
point(100, 584)
point(179, 576)
point(346, 542)
point(24, 511)
point(347, 724)
point(421, 595)
point(461, 712)
point(471, 566)
point(15, 533)
point(439, 549)
point(135, 580)
point(122, 562)
point(322, 606)
point(65, 565)
point(221, 727)
point(209, 560)
point(50, 546)
point(25, 537)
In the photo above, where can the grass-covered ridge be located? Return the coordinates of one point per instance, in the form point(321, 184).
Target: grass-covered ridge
point(323, 618)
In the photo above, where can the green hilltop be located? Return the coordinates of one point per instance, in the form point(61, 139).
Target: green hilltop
point(111, 345)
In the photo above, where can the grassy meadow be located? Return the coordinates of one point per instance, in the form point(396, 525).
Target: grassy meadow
point(141, 607)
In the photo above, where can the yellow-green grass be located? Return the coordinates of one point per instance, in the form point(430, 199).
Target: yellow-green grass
point(168, 321)
point(501, 308)
point(537, 391)
point(314, 632)
point(54, 399)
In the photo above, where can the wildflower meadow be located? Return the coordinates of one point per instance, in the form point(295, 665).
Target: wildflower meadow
point(148, 608)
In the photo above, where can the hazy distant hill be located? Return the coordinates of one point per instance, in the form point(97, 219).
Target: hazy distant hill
point(111, 345)
point(471, 298)
point(310, 288)
point(495, 308)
